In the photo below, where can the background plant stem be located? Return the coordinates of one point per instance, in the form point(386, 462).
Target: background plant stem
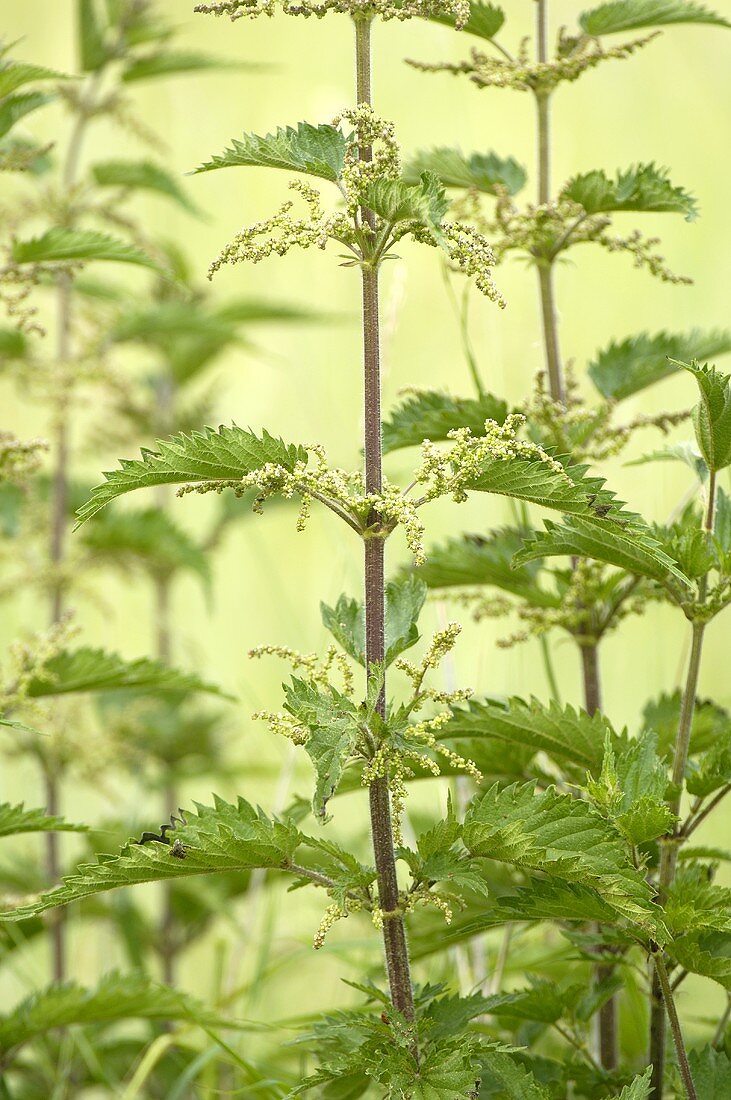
point(669, 848)
point(59, 506)
point(394, 933)
point(607, 1024)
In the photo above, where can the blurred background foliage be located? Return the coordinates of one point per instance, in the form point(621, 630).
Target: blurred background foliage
point(302, 380)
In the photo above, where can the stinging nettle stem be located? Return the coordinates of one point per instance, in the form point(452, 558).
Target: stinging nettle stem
point(394, 932)
point(669, 848)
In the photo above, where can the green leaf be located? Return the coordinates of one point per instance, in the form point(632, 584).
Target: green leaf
point(631, 790)
point(77, 245)
point(94, 51)
point(687, 453)
point(631, 548)
point(509, 1079)
point(641, 187)
point(314, 150)
point(485, 19)
point(142, 175)
point(14, 74)
point(332, 722)
point(117, 997)
point(710, 722)
point(201, 458)
point(711, 1072)
point(625, 368)
point(177, 63)
point(223, 837)
point(629, 15)
point(404, 601)
point(712, 770)
point(535, 481)
point(712, 415)
point(486, 172)
point(566, 735)
point(16, 819)
point(424, 203)
point(695, 904)
point(704, 953)
point(88, 669)
point(432, 415)
point(640, 1088)
point(476, 560)
point(13, 344)
point(563, 837)
point(17, 106)
point(148, 539)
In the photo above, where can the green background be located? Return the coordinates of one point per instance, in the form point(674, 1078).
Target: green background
point(670, 104)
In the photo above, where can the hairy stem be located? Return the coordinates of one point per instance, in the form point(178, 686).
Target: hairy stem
point(394, 932)
point(545, 266)
point(669, 1004)
point(669, 847)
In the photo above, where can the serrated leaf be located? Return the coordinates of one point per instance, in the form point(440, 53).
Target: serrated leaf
point(704, 953)
point(630, 15)
point(639, 1089)
point(92, 670)
point(711, 1072)
point(206, 457)
point(404, 601)
point(16, 819)
point(14, 74)
point(643, 187)
point(486, 172)
point(314, 150)
point(631, 548)
point(510, 1079)
point(222, 837)
point(60, 245)
point(332, 722)
point(148, 539)
point(15, 107)
point(687, 453)
point(566, 735)
point(696, 904)
point(563, 837)
point(478, 560)
point(142, 175)
point(712, 415)
point(631, 365)
point(710, 722)
point(640, 811)
point(177, 63)
point(533, 480)
point(485, 20)
point(395, 201)
point(432, 415)
point(117, 997)
point(712, 770)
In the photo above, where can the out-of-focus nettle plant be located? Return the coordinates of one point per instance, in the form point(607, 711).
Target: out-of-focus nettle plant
point(573, 854)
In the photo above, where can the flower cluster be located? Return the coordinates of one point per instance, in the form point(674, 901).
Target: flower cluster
point(359, 9)
point(586, 432)
point(318, 671)
point(525, 75)
point(19, 459)
point(452, 472)
point(378, 136)
point(283, 231)
point(470, 253)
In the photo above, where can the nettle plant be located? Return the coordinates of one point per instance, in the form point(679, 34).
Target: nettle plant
point(575, 829)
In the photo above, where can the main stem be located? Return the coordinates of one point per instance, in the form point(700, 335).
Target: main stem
point(394, 932)
point(545, 266)
point(669, 847)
